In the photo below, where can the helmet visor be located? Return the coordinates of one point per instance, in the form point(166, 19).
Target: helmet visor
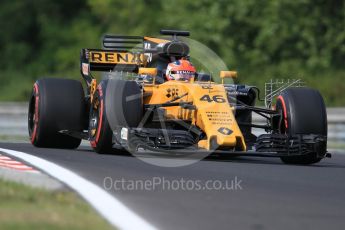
point(182, 75)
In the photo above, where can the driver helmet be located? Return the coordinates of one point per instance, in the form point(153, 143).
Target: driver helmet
point(180, 70)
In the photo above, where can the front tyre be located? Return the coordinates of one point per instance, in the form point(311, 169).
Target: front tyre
point(303, 111)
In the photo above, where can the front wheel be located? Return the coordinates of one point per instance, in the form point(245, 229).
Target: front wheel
point(303, 112)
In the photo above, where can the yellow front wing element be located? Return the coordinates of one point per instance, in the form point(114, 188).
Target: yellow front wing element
point(213, 113)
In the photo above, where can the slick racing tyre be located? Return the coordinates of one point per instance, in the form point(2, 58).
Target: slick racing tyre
point(111, 108)
point(303, 112)
point(55, 105)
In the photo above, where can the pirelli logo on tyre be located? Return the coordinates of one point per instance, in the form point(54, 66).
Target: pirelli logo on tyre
point(116, 58)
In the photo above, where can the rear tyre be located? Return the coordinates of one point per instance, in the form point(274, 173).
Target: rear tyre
point(55, 105)
point(304, 112)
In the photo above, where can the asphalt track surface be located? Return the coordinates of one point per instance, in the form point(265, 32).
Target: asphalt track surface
point(272, 195)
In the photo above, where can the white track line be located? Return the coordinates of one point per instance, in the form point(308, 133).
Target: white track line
point(108, 206)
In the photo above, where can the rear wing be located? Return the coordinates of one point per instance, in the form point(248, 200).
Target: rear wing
point(120, 53)
point(129, 53)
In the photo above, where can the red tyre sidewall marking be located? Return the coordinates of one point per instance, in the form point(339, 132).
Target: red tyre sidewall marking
point(36, 93)
point(284, 110)
point(94, 143)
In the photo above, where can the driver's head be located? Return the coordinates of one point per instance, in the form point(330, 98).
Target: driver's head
point(180, 70)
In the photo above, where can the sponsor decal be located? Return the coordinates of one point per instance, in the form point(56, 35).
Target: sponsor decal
point(182, 72)
point(85, 68)
point(124, 133)
point(116, 58)
point(225, 131)
point(172, 93)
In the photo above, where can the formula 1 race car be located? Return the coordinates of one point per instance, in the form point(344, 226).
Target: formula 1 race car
point(135, 107)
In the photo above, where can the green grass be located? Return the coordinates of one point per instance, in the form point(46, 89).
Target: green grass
point(24, 207)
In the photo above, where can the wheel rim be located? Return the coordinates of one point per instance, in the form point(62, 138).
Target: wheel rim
point(282, 127)
point(94, 119)
point(33, 113)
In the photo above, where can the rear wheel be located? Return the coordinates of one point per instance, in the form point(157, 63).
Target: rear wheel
point(100, 134)
point(117, 103)
point(55, 105)
point(303, 112)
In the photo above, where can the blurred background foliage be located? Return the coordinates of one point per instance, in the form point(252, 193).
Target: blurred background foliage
point(261, 39)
